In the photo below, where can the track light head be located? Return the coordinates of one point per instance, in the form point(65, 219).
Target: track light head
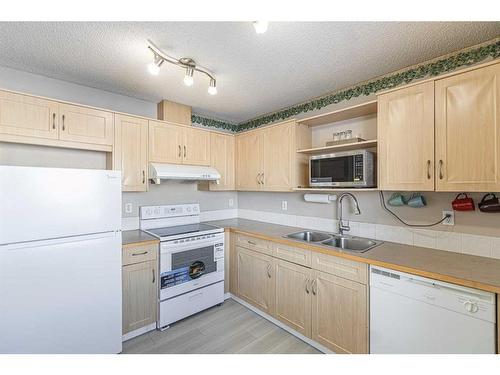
point(188, 78)
point(260, 26)
point(212, 87)
point(154, 67)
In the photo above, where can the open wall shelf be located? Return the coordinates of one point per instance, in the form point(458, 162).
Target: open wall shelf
point(339, 148)
point(333, 190)
point(365, 109)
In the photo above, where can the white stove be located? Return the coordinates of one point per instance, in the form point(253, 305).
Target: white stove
point(191, 260)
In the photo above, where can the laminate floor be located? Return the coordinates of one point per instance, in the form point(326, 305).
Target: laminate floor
point(231, 328)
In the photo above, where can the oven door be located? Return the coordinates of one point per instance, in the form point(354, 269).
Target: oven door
point(190, 263)
point(331, 170)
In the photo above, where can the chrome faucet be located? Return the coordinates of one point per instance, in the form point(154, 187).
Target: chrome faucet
point(345, 227)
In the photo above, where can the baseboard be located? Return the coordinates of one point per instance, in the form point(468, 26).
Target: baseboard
point(276, 322)
point(138, 332)
point(227, 296)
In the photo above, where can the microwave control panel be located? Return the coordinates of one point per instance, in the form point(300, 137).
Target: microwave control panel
point(358, 167)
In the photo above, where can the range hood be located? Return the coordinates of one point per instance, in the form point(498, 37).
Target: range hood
point(163, 171)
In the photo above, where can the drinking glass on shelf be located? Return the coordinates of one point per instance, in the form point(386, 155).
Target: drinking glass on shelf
point(342, 135)
point(348, 134)
point(336, 136)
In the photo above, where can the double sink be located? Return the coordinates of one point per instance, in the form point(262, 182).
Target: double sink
point(343, 242)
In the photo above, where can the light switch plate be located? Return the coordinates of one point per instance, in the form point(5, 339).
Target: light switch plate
point(231, 202)
point(128, 208)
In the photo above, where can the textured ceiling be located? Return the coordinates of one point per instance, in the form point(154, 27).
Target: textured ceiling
point(256, 74)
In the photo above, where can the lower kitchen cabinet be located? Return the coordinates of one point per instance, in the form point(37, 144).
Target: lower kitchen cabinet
point(256, 284)
point(139, 288)
point(329, 306)
point(293, 296)
point(339, 313)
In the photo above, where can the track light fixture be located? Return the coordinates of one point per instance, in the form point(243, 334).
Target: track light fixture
point(185, 62)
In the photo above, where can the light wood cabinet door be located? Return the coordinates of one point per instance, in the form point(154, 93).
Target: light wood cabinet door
point(131, 152)
point(468, 131)
point(85, 125)
point(249, 165)
point(339, 314)
point(196, 146)
point(165, 142)
point(293, 296)
point(256, 283)
point(28, 116)
point(139, 288)
point(278, 154)
point(405, 127)
point(222, 158)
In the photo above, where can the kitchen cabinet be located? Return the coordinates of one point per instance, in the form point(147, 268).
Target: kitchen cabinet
point(28, 116)
point(131, 152)
point(139, 286)
point(196, 146)
point(249, 165)
point(468, 131)
point(222, 158)
point(267, 159)
point(405, 127)
point(256, 284)
point(320, 296)
point(178, 144)
point(339, 313)
point(86, 125)
point(293, 295)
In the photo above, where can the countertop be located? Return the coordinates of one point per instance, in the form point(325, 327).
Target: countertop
point(467, 270)
point(136, 237)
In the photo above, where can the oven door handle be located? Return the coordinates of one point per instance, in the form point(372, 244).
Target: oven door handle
point(169, 247)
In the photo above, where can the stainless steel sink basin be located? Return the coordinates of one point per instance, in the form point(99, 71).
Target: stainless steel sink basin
point(309, 236)
point(356, 244)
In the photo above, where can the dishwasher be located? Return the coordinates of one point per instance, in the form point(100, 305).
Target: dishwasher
point(415, 315)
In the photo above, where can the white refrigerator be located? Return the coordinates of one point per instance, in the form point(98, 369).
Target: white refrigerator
point(60, 260)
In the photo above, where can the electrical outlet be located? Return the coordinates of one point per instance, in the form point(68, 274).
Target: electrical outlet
point(231, 202)
point(284, 205)
point(128, 208)
point(450, 220)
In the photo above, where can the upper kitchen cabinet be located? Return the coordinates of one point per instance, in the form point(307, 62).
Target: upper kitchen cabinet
point(25, 115)
point(267, 158)
point(86, 125)
point(165, 142)
point(249, 164)
point(196, 147)
point(405, 126)
point(222, 158)
point(131, 152)
point(178, 144)
point(468, 131)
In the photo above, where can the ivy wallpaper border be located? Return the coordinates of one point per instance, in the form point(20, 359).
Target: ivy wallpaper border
point(434, 68)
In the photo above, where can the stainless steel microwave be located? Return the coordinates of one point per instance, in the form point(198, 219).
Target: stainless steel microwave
point(343, 169)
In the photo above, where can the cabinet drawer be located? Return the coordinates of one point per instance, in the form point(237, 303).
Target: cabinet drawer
point(337, 266)
point(293, 254)
point(140, 253)
point(256, 244)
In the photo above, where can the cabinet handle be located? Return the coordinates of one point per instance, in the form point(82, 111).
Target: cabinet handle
point(143, 176)
point(307, 286)
point(269, 270)
point(440, 169)
point(179, 150)
point(63, 127)
point(262, 178)
point(154, 277)
point(252, 243)
point(314, 287)
point(428, 169)
point(53, 121)
point(143, 253)
point(185, 153)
